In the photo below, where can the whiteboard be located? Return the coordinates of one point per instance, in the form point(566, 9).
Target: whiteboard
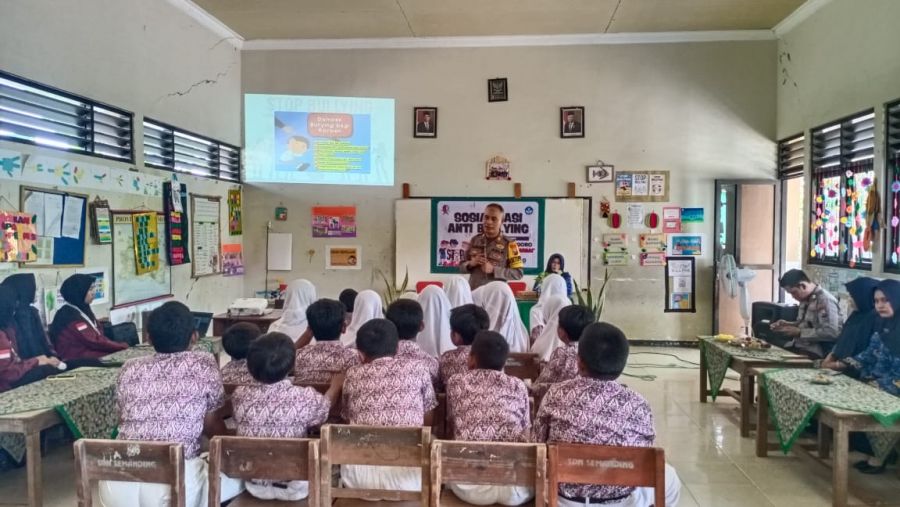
point(566, 231)
point(128, 286)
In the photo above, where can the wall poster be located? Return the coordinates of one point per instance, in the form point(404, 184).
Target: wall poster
point(206, 233)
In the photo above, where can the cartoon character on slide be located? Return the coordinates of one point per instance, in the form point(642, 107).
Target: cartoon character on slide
point(297, 146)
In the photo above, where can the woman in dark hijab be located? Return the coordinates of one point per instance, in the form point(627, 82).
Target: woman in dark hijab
point(556, 264)
point(74, 329)
point(30, 335)
point(14, 370)
point(861, 324)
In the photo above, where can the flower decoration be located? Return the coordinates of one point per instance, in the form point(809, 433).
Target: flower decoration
point(895, 221)
point(895, 187)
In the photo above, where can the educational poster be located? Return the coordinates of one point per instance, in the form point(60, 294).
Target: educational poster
point(232, 260)
point(653, 259)
point(685, 244)
point(671, 219)
point(175, 209)
point(205, 229)
point(101, 286)
point(51, 302)
point(680, 285)
point(146, 242)
point(19, 236)
point(342, 257)
point(334, 221)
point(235, 221)
point(128, 286)
point(454, 222)
point(691, 215)
point(645, 186)
point(104, 226)
point(635, 213)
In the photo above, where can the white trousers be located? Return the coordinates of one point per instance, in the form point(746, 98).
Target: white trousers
point(641, 497)
point(289, 491)
point(389, 478)
point(485, 494)
point(142, 494)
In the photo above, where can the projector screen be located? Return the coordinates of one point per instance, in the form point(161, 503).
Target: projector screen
point(319, 140)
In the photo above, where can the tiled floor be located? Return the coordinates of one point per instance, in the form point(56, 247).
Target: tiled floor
point(717, 467)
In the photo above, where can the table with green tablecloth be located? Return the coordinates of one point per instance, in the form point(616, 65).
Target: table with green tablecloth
point(212, 345)
point(525, 306)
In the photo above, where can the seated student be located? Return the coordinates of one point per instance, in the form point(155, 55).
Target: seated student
point(275, 408)
point(862, 323)
point(458, 291)
point(385, 391)
point(347, 298)
point(595, 409)
point(554, 286)
point(366, 306)
point(408, 317)
point(171, 396)
point(498, 301)
point(563, 364)
point(74, 329)
point(465, 323)
point(818, 321)
point(298, 295)
point(236, 341)
point(317, 363)
point(31, 339)
point(434, 338)
point(487, 405)
point(15, 371)
point(547, 340)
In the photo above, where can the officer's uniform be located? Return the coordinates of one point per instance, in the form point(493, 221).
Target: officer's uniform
point(501, 251)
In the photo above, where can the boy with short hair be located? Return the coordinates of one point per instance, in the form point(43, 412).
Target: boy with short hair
point(236, 341)
point(171, 396)
point(487, 405)
point(275, 408)
point(465, 323)
point(319, 362)
point(595, 409)
point(348, 299)
point(408, 317)
point(563, 364)
point(385, 391)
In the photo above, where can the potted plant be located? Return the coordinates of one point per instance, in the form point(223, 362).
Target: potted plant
point(593, 301)
point(392, 292)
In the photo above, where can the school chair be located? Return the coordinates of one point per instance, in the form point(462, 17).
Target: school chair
point(440, 422)
point(277, 459)
point(606, 465)
point(420, 286)
point(375, 446)
point(491, 463)
point(517, 287)
point(128, 461)
point(523, 365)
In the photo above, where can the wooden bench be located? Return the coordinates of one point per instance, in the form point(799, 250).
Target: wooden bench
point(277, 459)
point(523, 365)
point(129, 461)
point(492, 463)
point(605, 465)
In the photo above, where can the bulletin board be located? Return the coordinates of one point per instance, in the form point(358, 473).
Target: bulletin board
point(681, 285)
point(128, 286)
point(63, 211)
point(206, 231)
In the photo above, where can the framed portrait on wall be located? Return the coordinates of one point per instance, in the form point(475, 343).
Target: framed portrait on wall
point(571, 121)
point(498, 90)
point(425, 122)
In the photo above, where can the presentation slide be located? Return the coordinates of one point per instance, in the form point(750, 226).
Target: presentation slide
point(318, 140)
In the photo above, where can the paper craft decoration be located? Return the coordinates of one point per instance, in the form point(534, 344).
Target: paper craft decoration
point(343, 257)
point(685, 244)
point(497, 168)
point(671, 219)
point(642, 186)
point(615, 242)
point(615, 220)
point(74, 175)
point(206, 228)
point(146, 242)
point(235, 221)
point(615, 258)
point(232, 260)
point(680, 285)
point(334, 221)
point(175, 210)
point(652, 243)
point(19, 236)
point(653, 259)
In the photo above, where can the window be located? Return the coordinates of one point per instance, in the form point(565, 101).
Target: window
point(891, 208)
point(843, 174)
point(40, 115)
point(791, 172)
point(173, 149)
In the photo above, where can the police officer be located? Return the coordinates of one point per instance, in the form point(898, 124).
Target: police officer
point(491, 255)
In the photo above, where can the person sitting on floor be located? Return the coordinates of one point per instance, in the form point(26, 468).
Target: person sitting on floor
point(465, 323)
point(862, 323)
point(563, 364)
point(74, 329)
point(172, 396)
point(385, 391)
point(318, 362)
point(408, 317)
point(236, 342)
point(273, 407)
point(818, 321)
point(595, 409)
point(487, 405)
point(15, 371)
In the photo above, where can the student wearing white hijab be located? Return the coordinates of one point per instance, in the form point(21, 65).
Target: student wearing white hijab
point(458, 292)
point(548, 340)
point(434, 338)
point(297, 298)
point(498, 301)
point(553, 285)
point(368, 306)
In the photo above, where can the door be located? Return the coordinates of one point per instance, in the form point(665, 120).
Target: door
point(745, 227)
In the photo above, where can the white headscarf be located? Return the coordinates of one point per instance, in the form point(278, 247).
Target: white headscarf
point(552, 285)
point(368, 306)
point(500, 304)
point(435, 337)
point(458, 291)
point(548, 340)
point(478, 296)
point(297, 298)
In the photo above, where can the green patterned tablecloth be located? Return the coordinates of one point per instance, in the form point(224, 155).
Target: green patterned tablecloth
point(718, 357)
point(794, 400)
point(118, 358)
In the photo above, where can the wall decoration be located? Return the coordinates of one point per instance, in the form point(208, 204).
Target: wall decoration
point(615, 258)
point(334, 221)
point(601, 173)
point(235, 219)
point(101, 221)
point(653, 220)
point(11, 163)
point(691, 215)
point(59, 223)
point(176, 218)
point(615, 220)
point(425, 122)
point(635, 214)
point(498, 90)
point(653, 259)
point(19, 235)
point(102, 284)
point(604, 207)
point(128, 287)
point(68, 174)
point(652, 243)
point(232, 260)
point(279, 251)
point(281, 213)
point(571, 121)
point(146, 242)
point(497, 168)
point(671, 219)
point(206, 230)
point(642, 186)
point(615, 242)
point(343, 257)
point(681, 282)
point(685, 244)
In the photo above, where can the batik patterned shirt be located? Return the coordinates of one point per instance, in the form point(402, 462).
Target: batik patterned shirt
point(410, 350)
point(236, 372)
point(316, 363)
point(453, 362)
point(590, 411)
point(488, 406)
point(279, 410)
point(563, 365)
point(165, 397)
point(387, 392)
point(878, 365)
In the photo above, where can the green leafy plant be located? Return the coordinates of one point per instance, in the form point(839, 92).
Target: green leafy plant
point(593, 301)
point(392, 292)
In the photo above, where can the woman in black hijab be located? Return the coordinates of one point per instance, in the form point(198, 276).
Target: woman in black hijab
point(30, 335)
point(74, 329)
point(861, 324)
point(14, 370)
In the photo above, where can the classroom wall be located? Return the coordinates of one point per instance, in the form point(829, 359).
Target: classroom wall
point(149, 58)
point(843, 60)
point(700, 110)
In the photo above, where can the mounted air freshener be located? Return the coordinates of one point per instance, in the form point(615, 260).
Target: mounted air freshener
point(615, 220)
point(652, 220)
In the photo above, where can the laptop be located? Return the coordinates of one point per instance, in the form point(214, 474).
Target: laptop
point(202, 321)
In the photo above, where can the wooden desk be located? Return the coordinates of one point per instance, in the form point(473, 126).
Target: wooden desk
point(223, 321)
point(31, 424)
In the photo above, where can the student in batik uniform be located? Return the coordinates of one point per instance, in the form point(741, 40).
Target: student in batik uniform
point(465, 323)
point(487, 405)
point(172, 396)
point(236, 342)
point(385, 391)
point(595, 409)
point(563, 364)
point(347, 298)
point(408, 317)
point(318, 362)
point(275, 408)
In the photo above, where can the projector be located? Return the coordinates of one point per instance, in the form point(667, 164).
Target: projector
point(249, 306)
